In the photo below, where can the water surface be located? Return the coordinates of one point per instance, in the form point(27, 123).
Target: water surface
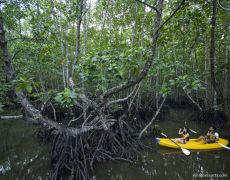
point(23, 157)
point(166, 163)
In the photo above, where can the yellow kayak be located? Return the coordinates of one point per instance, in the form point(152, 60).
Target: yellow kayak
point(192, 144)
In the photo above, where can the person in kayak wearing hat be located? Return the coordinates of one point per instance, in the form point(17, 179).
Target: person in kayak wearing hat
point(185, 136)
point(211, 136)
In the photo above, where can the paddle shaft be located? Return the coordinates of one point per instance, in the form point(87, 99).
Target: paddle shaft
point(175, 143)
point(185, 151)
point(172, 141)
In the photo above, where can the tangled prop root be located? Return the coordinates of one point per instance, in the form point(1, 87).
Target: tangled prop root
point(75, 157)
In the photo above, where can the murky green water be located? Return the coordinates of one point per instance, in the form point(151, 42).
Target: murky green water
point(22, 157)
point(168, 163)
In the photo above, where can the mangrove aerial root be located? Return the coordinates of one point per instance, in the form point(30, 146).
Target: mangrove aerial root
point(75, 156)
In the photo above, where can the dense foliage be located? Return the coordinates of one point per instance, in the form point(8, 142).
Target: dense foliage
point(116, 41)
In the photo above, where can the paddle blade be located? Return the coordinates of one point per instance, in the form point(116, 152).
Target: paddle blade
point(186, 151)
point(193, 131)
point(226, 147)
point(163, 134)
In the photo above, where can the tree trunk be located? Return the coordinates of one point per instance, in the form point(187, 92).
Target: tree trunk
point(66, 64)
point(85, 29)
point(213, 57)
point(38, 14)
point(111, 39)
point(78, 36)
point(206, 67)
point(143, 28)
point(226, 85)
point(213, 46)
point(157, 80)
point(134, 25)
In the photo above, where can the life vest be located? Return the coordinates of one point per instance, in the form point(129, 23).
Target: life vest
point(212, 137)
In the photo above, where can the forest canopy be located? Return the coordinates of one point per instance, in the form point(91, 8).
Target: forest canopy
point(91, 65)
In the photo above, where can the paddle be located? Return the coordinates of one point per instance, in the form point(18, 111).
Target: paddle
point(189, 128)
point(226, 147)
point(193, 131)
point(185, 151)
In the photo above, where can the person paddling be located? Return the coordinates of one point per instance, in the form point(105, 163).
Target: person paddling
point(211, 137)
point(185, 133)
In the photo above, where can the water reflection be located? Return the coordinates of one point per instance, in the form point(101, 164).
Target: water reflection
point(21, 155)
point(5, 167)
point(166, 163)
point(167, 166)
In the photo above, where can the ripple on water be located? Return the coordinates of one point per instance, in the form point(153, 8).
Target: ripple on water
point(21, 155)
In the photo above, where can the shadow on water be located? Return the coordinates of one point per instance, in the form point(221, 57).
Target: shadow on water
point(22, 157)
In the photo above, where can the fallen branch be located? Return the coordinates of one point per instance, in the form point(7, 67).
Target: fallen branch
point(11, 117)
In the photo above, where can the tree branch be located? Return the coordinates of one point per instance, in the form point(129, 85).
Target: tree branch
point(191, 99)
point(123, 99)
point(171, 16)
point(89, 102)
point(148, 63)
point(131, 102)
point(33, 114)
point(222, 7)
point(72, 120)
point(21, 38)
point(150, 6)
point(78, 36)
point(153, 119)
point(15, 54)
point(11, 117)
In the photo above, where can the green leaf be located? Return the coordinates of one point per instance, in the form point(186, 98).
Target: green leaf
point(66, 98)
point(29, 89)
point(20, 87)
point(172, 82)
